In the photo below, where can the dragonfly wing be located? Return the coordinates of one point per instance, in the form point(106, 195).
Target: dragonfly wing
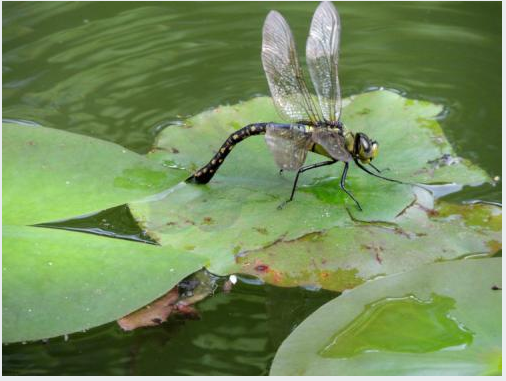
point(322, 50)
point(284, 75)
point(334, 143)
point(289, 145)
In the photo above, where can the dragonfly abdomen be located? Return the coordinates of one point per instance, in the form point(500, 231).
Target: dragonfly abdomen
point(205, 174)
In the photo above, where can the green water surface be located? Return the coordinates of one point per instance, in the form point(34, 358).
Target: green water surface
point(123, 71)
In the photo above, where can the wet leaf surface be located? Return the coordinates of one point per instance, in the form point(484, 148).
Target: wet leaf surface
point(442, 318)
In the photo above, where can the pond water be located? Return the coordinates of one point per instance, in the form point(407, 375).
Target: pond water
point(123, 71)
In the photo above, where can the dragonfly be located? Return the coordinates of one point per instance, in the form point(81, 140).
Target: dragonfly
point(314, 120)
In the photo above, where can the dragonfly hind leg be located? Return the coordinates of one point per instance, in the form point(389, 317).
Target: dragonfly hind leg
point(304, 169)
point(342, 184)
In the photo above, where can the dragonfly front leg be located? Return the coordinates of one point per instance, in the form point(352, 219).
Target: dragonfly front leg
point(304, 169)
point(343, 182)
point(377, 170)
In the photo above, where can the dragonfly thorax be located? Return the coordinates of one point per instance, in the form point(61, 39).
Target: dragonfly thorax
point(322, 123)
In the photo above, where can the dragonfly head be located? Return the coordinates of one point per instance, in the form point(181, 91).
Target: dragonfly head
point(364, 148)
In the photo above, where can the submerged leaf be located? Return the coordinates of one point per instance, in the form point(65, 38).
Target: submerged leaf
point(178, 300)
point(155, 313)
point(440, 319)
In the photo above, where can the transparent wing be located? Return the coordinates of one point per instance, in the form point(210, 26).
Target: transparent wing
point(322, 49)
point(333, 142)
point(289, 145)
point(284, 75)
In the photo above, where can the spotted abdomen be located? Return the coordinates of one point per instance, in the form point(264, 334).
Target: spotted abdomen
point(205, 174)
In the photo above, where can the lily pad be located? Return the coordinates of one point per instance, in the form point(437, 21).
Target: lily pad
point(440, 319)
point(57, 282)
point(51, 174)
point(237, 211)
point(405, 129)
point(344, 257)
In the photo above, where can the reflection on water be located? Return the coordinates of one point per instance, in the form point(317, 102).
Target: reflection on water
point(238, 333)
point(122, 71)
point(119, 70)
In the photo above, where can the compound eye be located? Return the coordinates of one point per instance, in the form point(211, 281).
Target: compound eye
point(365, 144)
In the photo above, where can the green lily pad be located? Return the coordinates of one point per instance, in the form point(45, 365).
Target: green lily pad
point(57, 282)
point(344, 257)
point(237, 211)
point(440, 319)
point(51, 174)
point(405, 129)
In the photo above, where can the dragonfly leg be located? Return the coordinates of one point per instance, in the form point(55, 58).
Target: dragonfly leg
point(388, 179)
point(378, 176)
point(343, 181)
point(304, 169)
point(377, 169)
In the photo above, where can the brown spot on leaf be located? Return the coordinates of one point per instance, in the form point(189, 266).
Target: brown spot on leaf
point(263, 231)
point(494, 246)
point(364, 111)
point(432, 212)
point(400, 231)
point(277, 277)
point(262, 268)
